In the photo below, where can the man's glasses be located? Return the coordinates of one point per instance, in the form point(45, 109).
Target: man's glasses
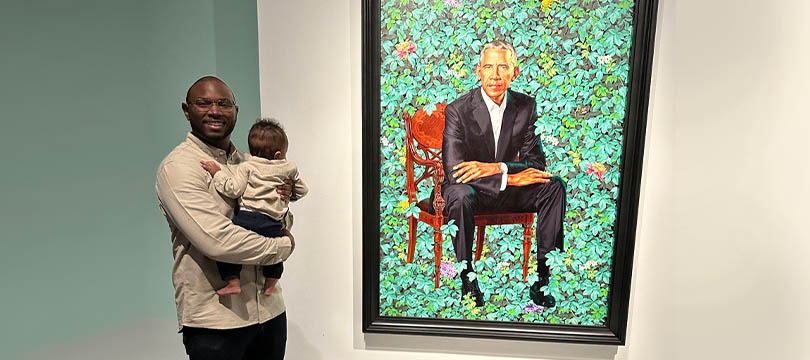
point(224, 104)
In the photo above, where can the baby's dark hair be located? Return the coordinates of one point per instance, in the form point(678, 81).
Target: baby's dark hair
point(266, 137)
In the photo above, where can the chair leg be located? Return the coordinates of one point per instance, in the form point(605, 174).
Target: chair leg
point(412, 222)
point(479, 241)
point(527, 243)
point(437, 249)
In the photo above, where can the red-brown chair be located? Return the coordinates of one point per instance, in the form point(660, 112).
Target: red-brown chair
point(424, 133)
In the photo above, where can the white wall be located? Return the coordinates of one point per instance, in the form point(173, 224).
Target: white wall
point(719, 259)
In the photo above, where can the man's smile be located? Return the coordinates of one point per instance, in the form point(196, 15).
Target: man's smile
point(214, 124)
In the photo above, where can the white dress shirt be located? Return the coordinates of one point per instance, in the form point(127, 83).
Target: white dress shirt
point(496, 118)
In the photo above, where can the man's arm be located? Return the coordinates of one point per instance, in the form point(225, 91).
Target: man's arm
point(183, 194)
point(484, 177)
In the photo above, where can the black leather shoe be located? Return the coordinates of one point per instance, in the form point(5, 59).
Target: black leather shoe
point(538, 296)
point(471, 287)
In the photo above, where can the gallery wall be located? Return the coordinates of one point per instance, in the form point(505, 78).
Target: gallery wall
point(91, 103)
point(719, 251)
point(90, 94)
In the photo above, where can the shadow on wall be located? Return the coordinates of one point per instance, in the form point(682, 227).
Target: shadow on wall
point(297, 345)
point(527, 349)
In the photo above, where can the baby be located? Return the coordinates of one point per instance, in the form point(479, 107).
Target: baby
point(255, 182)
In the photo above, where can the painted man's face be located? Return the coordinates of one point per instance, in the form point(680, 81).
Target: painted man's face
point(496, 73)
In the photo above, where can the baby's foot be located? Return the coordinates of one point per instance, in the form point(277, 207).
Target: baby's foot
point(269, 286)
point(233, 287)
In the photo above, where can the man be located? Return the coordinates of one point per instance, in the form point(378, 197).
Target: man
point(249, 325)
point(494, 161)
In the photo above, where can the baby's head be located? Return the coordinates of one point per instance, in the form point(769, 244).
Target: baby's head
point(267, 139)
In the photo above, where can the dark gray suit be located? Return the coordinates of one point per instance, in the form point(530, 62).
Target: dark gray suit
point(468, 136)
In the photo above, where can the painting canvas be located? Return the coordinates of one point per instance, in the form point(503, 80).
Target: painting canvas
point(577, 73)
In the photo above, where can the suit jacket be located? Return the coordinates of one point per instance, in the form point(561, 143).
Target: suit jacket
point(468, 136)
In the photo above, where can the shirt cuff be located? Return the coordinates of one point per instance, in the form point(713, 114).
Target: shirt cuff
point(505, 171)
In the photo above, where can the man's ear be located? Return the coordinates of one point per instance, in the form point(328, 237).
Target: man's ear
point(184, 106)
point(517, 71)
point(277, 155)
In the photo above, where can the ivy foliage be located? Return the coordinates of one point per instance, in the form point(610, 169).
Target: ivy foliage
point(574, 59)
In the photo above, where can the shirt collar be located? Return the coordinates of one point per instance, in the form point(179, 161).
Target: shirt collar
point(210, 150)
point(491, 104)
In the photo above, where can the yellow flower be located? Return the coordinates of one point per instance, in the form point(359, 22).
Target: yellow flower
point(403, 46)
point(546, 5)
point(404, 204)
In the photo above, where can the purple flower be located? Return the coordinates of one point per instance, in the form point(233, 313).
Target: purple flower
point(448, 270)
point(531, 307)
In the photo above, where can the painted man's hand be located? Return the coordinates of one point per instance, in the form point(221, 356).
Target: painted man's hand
point(471, 170)
point(528, 177)
point(211, 166)
point(285, 189)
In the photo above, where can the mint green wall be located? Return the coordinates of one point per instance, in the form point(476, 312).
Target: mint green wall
point(90, 96)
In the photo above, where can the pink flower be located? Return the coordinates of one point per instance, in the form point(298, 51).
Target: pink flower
point(453, 3)
point(597, 169)
point(404, 48)
point(448, 270)
point(531, 307)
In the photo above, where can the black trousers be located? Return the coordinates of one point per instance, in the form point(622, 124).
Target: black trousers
point(546, 199)
point(266, 341)
point(262, 225)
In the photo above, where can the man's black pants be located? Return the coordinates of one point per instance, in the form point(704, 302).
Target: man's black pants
point(266, 341)
point(545, 199)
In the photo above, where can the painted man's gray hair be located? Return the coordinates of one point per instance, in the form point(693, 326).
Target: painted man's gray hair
point(511, 55)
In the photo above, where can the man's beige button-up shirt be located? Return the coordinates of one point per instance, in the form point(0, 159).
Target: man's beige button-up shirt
point(202, 232)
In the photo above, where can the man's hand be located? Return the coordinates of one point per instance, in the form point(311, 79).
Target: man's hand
point(288, 234)
point(211, 166)
point(471, 170)
point(284, 190)
point(528, 177)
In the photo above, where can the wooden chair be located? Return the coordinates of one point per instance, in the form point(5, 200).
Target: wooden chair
point(424, 133)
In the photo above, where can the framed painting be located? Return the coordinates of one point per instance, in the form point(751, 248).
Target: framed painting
point(502, 154)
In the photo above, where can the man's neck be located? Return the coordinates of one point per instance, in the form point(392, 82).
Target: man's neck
point(224, 144)
point(498, 100)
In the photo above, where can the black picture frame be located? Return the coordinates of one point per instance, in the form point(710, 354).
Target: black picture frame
point(644, 25)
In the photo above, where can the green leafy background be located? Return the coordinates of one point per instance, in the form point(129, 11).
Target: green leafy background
point(573, 57)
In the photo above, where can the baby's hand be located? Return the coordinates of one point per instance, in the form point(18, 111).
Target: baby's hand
point(210, 166)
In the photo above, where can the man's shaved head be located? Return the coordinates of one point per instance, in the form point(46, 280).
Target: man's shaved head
point(206, 79)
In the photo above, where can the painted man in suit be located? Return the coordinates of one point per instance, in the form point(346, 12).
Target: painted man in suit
point(494, 161)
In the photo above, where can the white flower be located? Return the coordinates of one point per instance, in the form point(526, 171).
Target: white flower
point(588, 265)
point(384, 141)
point(604, 59)
point(550, 139)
